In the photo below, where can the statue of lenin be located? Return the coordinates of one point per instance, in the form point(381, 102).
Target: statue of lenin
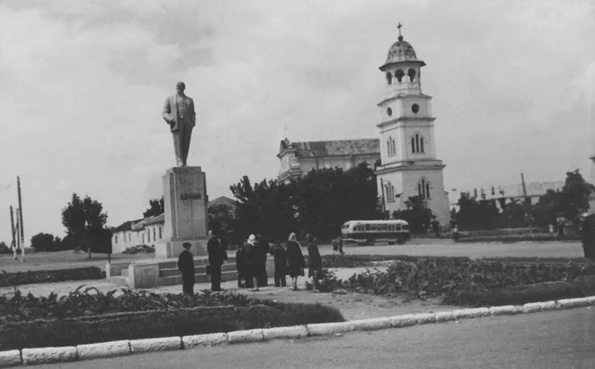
point(179, 113)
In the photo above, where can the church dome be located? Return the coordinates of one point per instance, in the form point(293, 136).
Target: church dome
point(401, 51)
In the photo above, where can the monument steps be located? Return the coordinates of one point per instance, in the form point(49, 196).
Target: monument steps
point(168, 272)
point(198, 278)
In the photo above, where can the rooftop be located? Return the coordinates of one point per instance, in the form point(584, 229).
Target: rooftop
point(365, 146)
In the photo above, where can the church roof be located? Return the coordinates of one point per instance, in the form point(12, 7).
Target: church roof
point(365, 146)
point(126, 226)
point(401, 51)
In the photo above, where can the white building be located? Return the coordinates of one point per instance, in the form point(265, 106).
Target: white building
point(407, 142)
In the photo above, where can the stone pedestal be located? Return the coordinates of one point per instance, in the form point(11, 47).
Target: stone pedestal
point(186, 219)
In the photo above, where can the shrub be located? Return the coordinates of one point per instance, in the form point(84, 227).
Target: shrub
point(355, 261)
point(46, 276)
point(139, 249)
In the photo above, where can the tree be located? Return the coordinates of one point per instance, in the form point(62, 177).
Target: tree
point(84, 221)
point(222, 221)
point(4, 249)
point(574, 196)
point(417, 215)
point(156, 207)
point(44, 242)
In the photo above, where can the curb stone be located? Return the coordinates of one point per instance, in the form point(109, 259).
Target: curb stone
point(205, 340)
point(155, 344)
point(253, 335)
point(10, 358)
point(48, 355)
point(298, 331)
point(104, 349)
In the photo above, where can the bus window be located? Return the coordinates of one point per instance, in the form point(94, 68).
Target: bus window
point(398, 227)
point(391, 227)
point(405, 227)
point(384, 227)
point(367, 227)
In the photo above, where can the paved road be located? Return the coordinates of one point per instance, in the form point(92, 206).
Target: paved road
point(433, 247)
point(547, 340)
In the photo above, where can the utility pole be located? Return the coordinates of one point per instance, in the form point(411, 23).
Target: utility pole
point(21, 228)
point(13, 245)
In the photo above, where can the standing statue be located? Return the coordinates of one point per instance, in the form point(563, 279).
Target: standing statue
point(179, 113)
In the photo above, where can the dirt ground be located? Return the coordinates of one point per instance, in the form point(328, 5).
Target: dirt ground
point(351, 305)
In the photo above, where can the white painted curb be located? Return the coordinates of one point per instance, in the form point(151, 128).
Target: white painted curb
point(371, 324)
point(121, 348)
point(155, 344)
point(298, 331)
point(253, 335)
point(505, 310)
point(10, 358)
point(204, 340)
point(105, 349)
point(48, 355)
point(324, 329)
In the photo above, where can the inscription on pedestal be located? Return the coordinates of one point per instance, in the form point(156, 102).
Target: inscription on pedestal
point(191, 196)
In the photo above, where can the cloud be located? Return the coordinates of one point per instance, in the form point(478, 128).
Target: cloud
point(82, 86)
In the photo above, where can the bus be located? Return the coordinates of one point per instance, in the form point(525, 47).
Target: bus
point(368, 232)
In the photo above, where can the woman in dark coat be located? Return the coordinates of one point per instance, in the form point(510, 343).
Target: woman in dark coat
point(253, 257)
point(295, 259)
point(314, 263)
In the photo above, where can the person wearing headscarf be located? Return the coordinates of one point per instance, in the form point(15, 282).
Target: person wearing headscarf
point(295, 259)
point(252, 254)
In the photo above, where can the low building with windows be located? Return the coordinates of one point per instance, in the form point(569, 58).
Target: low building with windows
point(149, 231)
point(298, 158)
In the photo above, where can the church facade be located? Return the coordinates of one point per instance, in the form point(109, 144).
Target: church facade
point(298, 158)
point(409, 164)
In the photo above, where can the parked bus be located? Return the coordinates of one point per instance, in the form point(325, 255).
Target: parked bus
point(368, 232)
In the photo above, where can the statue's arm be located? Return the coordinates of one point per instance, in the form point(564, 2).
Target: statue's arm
point(193, 114)
point(167, 111)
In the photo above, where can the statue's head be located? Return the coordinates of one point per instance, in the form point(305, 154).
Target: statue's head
point(180, 87)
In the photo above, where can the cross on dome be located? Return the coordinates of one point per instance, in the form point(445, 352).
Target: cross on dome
point(399, 27)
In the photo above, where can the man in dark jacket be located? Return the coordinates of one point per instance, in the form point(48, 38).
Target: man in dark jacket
point(263, 247)
point(280, 257)
point(241, 266)
point(217, 256)
point(186, 266)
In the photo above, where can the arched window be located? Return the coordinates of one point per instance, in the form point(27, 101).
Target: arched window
point(394, 147)
point(411, 74)
point(423, 188)
point(391, 146)
point(389, 78)
point(417, 144)
point(390, 192)
point(399, 75)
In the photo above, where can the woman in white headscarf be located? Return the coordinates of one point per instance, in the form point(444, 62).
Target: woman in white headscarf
point(295, 259)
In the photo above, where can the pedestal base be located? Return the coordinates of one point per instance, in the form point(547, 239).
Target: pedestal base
point(173, 248)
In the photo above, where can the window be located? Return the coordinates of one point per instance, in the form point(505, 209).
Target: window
point(415, 108)
point(391, 146)
point(116, 239)
point(390, 192)
point(154, 232)
point(423, 189)
point(367, 227)
point(411, 74)
point(389, 78)
point(160, 236)
point(389, 112)
point(129, 236)
point(417, 144)
point(399, 75)
point(148, 235)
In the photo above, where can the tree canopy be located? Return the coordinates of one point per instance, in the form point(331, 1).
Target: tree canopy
point(156, 207)
point(84, 221)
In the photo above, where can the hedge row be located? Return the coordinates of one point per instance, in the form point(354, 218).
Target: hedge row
point(519, 295)
point(49, 276)
point(519, 238)
point(165, 323)
point(356, 261)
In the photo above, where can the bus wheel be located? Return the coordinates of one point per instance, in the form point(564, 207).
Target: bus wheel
point(400, 240)
point(370, 241)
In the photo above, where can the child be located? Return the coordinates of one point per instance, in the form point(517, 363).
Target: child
point(186, 266)
point(280, 257)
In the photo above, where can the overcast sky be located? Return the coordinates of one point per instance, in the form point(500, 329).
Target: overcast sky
point(82, 85)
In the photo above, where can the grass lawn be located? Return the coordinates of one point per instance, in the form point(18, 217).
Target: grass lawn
point(62, 260)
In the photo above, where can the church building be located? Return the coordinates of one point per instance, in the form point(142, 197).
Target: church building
point(409, 166)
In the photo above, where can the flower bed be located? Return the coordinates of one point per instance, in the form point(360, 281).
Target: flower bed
point(91, 316)
point(49, 276)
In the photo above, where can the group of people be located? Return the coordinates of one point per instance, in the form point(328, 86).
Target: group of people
point(251, 258)
point(289, 260)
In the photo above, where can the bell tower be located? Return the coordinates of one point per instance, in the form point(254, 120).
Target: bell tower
point(407, 143)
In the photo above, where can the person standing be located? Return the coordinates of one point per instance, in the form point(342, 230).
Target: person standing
point(338, 245)
point(280, 258)
point(241, 266)
point(217, 256)
point(252, 261)
point(314, 263)
point(262, 244)
point(186, 266)
point(295, 259)
point(588, 237)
